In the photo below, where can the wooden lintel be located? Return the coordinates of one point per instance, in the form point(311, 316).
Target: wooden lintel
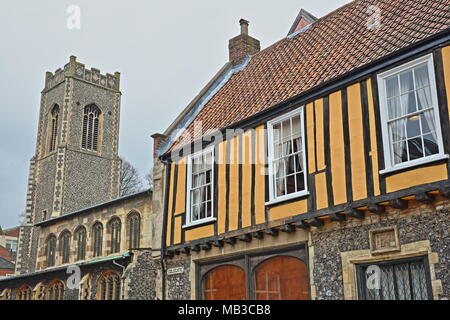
point(337, 217)
point(399, 204)
point(424, 197)
point(288, 228)
point(376, 208)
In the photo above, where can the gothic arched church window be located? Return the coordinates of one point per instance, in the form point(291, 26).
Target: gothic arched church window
point(91, 123)
point(97, 239)
point(53, 127)
point(115, 227)
point(50, 250)
point(134, 230)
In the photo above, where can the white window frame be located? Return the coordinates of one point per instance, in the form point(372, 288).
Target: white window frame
point(273, 198)
point(189, 222)
point(388, 161)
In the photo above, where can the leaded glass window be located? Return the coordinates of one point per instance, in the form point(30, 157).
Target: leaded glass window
point(395, 280)
point(54, 127)
point(55, 291)
point(109, 286)
point(97, 239)
point(134, 230)
point(80, 238)
point(64, 243)
point(91, 122)
point(115, 228)
point(50, 250)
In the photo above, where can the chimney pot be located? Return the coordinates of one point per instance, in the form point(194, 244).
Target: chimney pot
point(244, 26)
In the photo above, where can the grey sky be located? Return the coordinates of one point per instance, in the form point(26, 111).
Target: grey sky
point(166, 52)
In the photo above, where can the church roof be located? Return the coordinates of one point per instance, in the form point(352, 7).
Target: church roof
point(333, 46)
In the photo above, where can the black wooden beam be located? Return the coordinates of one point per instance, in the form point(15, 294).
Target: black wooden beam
point(169, 254)
point(424, 197)
point(302, 224)
point(316, 223)
point(218, 243)
point(231, 240)
point(258, 235)
point(186, 250)
point(196, 248)
point(355, 213)
point(272, 232)
point(337, 217)
point(399, 204)
point(205, 246)
point(376, 208)
point(445, 192)
point(245, 237)
point(288, 228)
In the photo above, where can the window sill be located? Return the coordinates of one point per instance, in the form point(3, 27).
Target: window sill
point(415, 163)
point(288, 197)
point(200, 223)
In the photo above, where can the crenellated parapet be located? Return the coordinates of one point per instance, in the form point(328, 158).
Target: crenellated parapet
point(77, 70)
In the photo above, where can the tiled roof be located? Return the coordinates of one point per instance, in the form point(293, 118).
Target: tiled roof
point(334, 45)
point(13, 232)
point(6, 254)
point(6, 264)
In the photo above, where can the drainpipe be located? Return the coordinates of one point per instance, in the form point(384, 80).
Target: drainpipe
point(163, 240)
point(122, 278)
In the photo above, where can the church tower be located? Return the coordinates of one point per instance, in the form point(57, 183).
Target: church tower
point(76, 163)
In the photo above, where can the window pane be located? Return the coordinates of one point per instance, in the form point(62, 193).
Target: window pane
point(424, 98)
point(399, 152)
point(300, 182)
point(397, 130)
point(415, 148)
point(406, 82)
point(430, 145)
point(290, 184)
point(280, 187)
point(421, 75)
point(394, 108)
point(296, 125)
point(409, 103)
point(413, 126)
point(392, 89)
point(279, 168)
point(286, 128)
point(276, 132)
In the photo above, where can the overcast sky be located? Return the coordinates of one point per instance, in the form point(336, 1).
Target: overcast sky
point(166, 52)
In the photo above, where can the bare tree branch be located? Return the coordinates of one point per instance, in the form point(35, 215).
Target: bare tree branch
point(130, 181)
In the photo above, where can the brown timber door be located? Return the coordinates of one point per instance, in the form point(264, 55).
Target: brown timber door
point(281, 278)
point(225, 283)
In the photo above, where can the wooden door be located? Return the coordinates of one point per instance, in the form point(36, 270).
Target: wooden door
point(281, 278)
point(225, 283)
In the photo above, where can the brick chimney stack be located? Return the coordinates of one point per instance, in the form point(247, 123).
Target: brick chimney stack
point(158, 139)
point(243, 45)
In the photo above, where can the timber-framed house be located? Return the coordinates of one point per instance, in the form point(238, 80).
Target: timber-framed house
point(318, 167)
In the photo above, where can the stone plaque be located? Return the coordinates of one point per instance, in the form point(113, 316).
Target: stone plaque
point(173, 271)
point(384, 240)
